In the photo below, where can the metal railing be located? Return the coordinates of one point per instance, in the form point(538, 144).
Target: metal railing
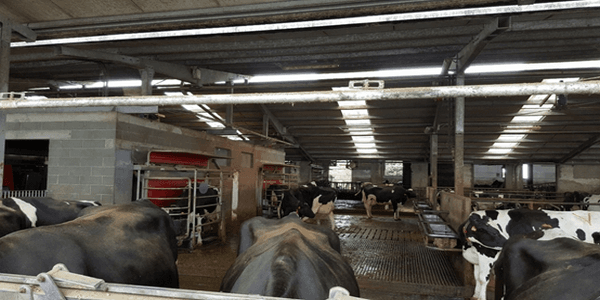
point(24, 193)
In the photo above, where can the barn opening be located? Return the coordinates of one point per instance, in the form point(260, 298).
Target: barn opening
point(26, 165)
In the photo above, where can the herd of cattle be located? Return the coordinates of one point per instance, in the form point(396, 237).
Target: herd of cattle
point(534, 254)
point(312, 201)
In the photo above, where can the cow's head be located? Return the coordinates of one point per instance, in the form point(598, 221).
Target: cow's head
point(481, 229)
point(304, 210)
point(290, 204)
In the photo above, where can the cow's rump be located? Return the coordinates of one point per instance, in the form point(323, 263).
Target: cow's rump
point(288, 258)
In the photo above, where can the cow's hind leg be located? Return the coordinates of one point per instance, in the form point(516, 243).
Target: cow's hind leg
point(396, 210)
point(332, 220)
point(368, 209)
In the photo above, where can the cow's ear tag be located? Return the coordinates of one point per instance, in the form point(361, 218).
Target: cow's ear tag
point(473, 228)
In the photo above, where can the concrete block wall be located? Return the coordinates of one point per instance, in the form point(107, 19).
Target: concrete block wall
point(581, 178)
point(81, 159)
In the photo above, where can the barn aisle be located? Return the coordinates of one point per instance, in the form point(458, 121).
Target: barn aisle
point(389, 258)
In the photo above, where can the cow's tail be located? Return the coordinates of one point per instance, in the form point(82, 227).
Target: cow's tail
point(282, 270)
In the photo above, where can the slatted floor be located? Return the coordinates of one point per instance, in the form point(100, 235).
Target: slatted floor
point(390, 259)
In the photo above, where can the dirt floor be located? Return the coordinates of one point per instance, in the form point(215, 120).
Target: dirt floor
point(389, 258)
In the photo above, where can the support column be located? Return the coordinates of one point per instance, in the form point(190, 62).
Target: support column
point(433, 161)
point(459, 140)
point(146, 75)
point(514, 180)
point(265, 125)
point(5, 33)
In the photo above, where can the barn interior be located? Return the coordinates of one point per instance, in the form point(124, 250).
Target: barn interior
point(484, 98)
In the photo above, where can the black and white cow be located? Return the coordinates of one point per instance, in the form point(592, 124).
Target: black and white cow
point(320, 200)
point(374, 195)
point(131, 243)
point(593, 199)
point(288, 258)
point(485, 233)
point(288, 204)
point(556, 269)
point(21, 213)
point(207, 198)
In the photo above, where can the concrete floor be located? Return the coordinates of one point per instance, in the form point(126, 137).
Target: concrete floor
point(389, 258)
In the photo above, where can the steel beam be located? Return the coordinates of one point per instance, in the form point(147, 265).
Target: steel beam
point(283, 131)
point(24, 32)
point(471, 50)
point(528, 89)
point(315, 24)
point(193, 75)
point(586, 145)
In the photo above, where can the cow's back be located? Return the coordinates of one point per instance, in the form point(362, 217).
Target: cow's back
point(50, 211)
point(561, 268)
point(131, 243)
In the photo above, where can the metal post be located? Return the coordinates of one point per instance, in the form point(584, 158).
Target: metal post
point(5, 33)
point(146, 75)
point(433, 161)
point(459, 139)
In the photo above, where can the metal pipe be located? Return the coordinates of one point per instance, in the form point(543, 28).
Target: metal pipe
point(326, 96)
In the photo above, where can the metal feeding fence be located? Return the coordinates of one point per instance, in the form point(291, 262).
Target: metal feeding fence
point(183, 185)
point(276, 179)
point(24, 193)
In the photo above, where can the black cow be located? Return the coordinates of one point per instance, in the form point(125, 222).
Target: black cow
point(314, 202)
point(21, 213)
point(560, 268)
point(372, 195)
point(577, 198)
point(485, 233)
point(288, 258)
point(131, 243)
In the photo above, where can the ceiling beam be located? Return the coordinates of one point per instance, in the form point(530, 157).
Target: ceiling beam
point(193, 75)
point(23, 32)
point(283, 131)
point(316, 24)
point(465, 57)
point(586, 145)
